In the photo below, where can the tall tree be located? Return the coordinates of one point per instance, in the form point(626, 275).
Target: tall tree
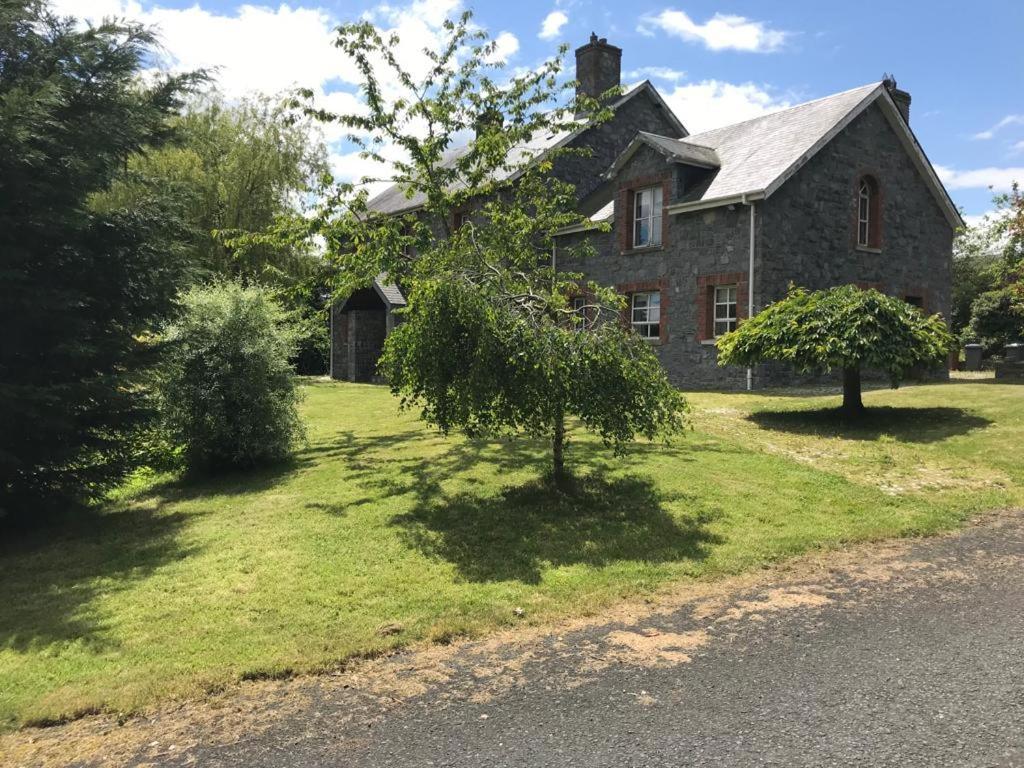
point(238, 168)
point(843, 328)
point(79, 288)
point(490, 342)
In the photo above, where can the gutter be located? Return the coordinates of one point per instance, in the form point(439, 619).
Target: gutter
point(716, 202)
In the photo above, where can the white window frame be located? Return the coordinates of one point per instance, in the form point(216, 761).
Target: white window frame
point(646, 318)
point(579, 309)
point(864, 213)
point(727, 322)
point(648, 199)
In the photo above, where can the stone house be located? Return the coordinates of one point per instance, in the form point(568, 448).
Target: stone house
point(707, 228)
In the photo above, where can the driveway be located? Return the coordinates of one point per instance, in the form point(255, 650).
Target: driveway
point(904, 654)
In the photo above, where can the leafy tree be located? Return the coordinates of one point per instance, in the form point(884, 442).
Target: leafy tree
point(81, 288)
point(976, 269)
point(489, 343)
point(845, 328)
point(237, 168)
point(997, 313)
point(227, 391)
point(997, 318)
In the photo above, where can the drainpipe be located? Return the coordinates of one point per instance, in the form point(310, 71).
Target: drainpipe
point(750, 283)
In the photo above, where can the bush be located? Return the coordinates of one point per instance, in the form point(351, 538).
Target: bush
point(227, 391)
point(997, 319)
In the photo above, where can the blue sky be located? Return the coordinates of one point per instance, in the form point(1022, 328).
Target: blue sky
point(714, 62)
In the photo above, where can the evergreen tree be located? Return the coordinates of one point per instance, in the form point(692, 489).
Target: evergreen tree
point(81, 287)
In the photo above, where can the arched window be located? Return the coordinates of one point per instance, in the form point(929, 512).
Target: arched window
point(869, 220)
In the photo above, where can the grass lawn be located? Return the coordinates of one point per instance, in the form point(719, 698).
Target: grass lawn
point(383, 533)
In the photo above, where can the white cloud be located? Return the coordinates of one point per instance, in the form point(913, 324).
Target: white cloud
point(720, 32)
point(253, 48)
point(1005, 122)
point(1018, 147)
point(713, 103)
point(658, 73)
point(552, 25)
point(1000, 179)
point(505, 46)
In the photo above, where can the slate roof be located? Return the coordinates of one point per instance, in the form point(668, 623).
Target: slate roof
point(394, 199)
point(757, 152)
point(757, 156)
point(389, 291)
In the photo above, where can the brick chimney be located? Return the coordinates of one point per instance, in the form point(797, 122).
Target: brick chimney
point(901, 97)
point(598, 67)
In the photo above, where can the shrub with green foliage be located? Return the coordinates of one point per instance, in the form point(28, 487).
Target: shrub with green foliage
point(846, 328)
point(997, 319)
point(228, 393)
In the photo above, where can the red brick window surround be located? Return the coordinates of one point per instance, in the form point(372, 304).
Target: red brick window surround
point(647, 305)
point(638, 195)
point(715, 312)
point(868, 223)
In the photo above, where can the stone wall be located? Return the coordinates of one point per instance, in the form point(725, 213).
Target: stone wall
point(809, 226)
point(694, 246)
point(804, 233)
point(607, 141)
point(357, 339)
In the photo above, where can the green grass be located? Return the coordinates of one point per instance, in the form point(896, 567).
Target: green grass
point(179, 588)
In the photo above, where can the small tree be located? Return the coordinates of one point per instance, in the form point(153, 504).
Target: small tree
point(489, 342)
point(845, 328)
point(227, 391)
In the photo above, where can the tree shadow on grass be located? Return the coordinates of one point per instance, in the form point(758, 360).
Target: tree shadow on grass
point(518, 532)
point(907, 425)
point(51, 578)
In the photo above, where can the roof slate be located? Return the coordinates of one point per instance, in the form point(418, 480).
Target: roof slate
point(395, 200)
point(755, 153)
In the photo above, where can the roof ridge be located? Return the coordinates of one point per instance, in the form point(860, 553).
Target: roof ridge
point(779, 111)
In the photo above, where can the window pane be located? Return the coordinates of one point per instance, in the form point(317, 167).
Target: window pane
point(654, 331)
point(656, 229)
point(643, 231)
point(656, 205)
point(721, 310)
point(643, 203)
point(862, 233)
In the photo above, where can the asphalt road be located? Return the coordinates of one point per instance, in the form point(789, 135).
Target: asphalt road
point(899, 655)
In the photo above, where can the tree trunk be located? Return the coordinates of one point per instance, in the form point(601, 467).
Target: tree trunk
point(558, 448)
point(853, 405)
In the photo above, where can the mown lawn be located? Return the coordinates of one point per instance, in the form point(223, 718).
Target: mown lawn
point(179, 588)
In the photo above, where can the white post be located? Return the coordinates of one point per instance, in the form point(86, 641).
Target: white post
point(750, 289)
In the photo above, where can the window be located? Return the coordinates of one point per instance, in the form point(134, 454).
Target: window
point(645, 314)
point(460, 218)
point(725, 309)
point(914, 301)
point(579, 308)
point(868, 217)
point(647, 217)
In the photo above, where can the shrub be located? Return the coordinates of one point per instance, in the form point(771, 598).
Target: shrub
point(997, 319)
point(227, 391)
